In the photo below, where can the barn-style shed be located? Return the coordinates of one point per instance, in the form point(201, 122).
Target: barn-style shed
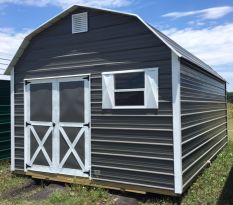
point(102, 98)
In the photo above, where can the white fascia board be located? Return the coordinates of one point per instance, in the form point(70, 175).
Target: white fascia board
point(63, 14)
point(177, 135)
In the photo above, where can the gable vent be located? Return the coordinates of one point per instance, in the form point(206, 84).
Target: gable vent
point(80, 22)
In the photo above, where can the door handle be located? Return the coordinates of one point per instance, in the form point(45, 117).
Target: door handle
point(54, 124)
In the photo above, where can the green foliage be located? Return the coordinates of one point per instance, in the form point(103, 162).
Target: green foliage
point(230, 110)
point(230, 97)
point(80, 195)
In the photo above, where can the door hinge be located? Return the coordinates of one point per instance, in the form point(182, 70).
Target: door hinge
point(87, 125)
point(27, 124)
point(28, 166)
point(27, 82)
point(87, 172)
point(86, 78)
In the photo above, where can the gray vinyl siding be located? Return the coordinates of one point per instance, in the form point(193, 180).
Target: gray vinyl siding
point(204, 125)
point(5, 139)
point(131, 146)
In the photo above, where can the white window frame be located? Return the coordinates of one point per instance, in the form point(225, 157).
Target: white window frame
point(109, 89)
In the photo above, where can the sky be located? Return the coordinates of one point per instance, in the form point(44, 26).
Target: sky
point(204, 27)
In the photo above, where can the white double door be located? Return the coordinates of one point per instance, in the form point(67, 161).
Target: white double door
point(57, 126)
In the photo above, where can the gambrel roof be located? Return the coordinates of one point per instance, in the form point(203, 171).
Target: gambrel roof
point(177, 49)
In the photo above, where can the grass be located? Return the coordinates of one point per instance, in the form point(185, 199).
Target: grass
point(230, 116)
point(8, 180)
point(74, 195)
point(230, 124)
point(79, 195)
point(213, 186)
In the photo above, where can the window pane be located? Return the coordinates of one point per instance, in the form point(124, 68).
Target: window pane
point(129, 98)
point(129, 80)
point(41, 102)
point(72, 101)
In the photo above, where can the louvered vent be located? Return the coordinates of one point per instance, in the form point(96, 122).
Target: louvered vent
point(80, 23)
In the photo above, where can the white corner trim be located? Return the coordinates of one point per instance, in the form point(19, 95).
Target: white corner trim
point(227, 112)
point(177, 136)
point(12, 121)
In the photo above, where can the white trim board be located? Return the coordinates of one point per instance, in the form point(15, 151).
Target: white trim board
point(12, 122)
point(57, 77)
point(129, 71)
point(177, 138)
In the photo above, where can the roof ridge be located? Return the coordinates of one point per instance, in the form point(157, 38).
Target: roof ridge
point(187, 54)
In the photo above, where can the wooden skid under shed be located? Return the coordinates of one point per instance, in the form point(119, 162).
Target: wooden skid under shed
point(98, 183)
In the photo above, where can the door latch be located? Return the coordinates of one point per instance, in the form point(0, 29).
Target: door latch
point(54, 124)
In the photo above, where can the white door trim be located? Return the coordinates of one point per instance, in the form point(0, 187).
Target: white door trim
point(26, 128)
point(56, 116)
point(57, 77)
point(54, 163)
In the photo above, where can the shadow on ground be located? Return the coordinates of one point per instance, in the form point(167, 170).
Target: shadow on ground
point(127, 198)
point(226, 197)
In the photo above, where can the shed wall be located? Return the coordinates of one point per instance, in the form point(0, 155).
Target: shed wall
point(204, 119)
point(128, 146)
point(5, 119)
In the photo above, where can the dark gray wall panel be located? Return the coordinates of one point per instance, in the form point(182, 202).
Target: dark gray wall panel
point(5, 127)
point(203, 108)
point(139, 140)
point(134, 177)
